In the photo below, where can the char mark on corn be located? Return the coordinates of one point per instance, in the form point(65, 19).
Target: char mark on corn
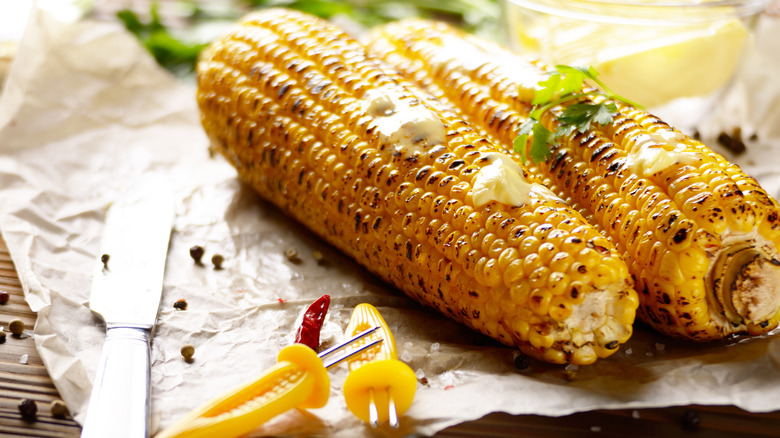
point(406, 187)
point(700, 236)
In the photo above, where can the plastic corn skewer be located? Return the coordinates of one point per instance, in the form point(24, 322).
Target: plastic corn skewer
point(379, 387)
point(298, 380)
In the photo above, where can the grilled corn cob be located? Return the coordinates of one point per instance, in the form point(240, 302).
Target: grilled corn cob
point(701, 237)
point(404, 186)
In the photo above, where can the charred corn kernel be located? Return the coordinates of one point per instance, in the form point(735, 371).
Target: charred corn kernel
point(394, 154)
point(298, 379)
point(379, 387)
point(684, 218)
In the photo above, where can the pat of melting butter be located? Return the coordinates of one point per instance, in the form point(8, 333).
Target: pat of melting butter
point(502, 181)
point(654, 153)
point(405, 124)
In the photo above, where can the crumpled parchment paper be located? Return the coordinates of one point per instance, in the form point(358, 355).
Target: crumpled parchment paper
point(86, 112)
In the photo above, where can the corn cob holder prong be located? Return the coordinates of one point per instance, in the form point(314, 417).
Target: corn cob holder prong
point(379, 387)
point(298, 380)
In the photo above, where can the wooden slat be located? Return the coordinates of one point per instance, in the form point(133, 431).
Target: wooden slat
point(30, 380)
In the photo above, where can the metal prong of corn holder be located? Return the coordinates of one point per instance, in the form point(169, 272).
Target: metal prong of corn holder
point(346, 343)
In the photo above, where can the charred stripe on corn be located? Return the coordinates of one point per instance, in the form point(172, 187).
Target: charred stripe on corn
point(701, 237)
point(388, 175)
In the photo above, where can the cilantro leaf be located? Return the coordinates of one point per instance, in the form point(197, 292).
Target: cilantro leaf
point(572, 79)
point(547, 89)
point(581, 115)
point(540, 145)
point(521, 141)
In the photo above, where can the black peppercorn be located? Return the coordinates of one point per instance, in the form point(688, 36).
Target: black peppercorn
point(180, 304)
point(691, 419)
point(196, 252)
point(4, 297)
point(28, 408)
point(2, 337)
point(522, 363)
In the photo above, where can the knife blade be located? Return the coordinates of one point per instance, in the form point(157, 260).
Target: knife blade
point(126, 291)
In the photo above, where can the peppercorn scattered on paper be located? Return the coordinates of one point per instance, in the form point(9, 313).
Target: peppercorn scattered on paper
point(701, 237)
point(112, 118)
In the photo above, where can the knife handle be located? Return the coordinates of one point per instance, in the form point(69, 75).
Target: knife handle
point(119, 404)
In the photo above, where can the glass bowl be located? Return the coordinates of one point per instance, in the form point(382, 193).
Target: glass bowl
point(651, 51)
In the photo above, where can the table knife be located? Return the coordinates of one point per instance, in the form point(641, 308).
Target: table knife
point(126, 291)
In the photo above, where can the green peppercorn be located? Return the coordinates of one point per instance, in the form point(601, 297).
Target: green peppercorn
point(217, 260)
point(187, 352)
point(292, 255)
point(196, 252)
point(59, 409)
point(16, 326)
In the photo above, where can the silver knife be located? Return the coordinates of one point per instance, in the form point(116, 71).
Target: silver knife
point(126, 290)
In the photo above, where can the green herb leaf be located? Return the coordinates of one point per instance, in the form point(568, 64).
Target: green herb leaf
point(521, 141)
point(581, 115)
point(540, 145)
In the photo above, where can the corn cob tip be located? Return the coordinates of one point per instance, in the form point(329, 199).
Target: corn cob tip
point(388, 174)
point(744, 283)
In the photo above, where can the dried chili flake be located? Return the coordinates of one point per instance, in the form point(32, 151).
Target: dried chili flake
point(281, 300)
point(448, 387)
point(309, 331)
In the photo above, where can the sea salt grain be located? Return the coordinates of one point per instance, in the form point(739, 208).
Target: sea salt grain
point(419, 373)
point(435, 346)
point(23, 359)
point(629, 351)
point(635, 414)
point(406, 356)
point(595, 428)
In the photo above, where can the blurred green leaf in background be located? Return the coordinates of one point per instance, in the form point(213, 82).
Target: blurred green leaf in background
point(176, 46)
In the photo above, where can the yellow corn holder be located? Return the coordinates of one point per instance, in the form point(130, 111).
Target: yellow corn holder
point(379, 387)
point(298, 380)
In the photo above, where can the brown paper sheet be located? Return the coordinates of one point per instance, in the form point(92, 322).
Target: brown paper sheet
point(86, 112)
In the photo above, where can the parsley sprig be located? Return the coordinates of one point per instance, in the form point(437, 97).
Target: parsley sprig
point(562, 86)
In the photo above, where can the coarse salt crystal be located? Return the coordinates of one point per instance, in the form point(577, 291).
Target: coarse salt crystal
point(635, 414)
point(435, 346)
point(629, 351)
point(406, 356)
point(419, 373)
point(595, 428)
point(571, 367)
point(23, 359)
point(660, 347)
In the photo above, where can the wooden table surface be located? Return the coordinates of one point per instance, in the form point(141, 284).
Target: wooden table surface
point(30, 380)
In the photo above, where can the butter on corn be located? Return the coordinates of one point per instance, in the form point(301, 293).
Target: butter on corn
point(386, 173)
point(701, 237)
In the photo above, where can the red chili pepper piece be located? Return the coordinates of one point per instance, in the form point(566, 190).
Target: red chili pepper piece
point(309, 331)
